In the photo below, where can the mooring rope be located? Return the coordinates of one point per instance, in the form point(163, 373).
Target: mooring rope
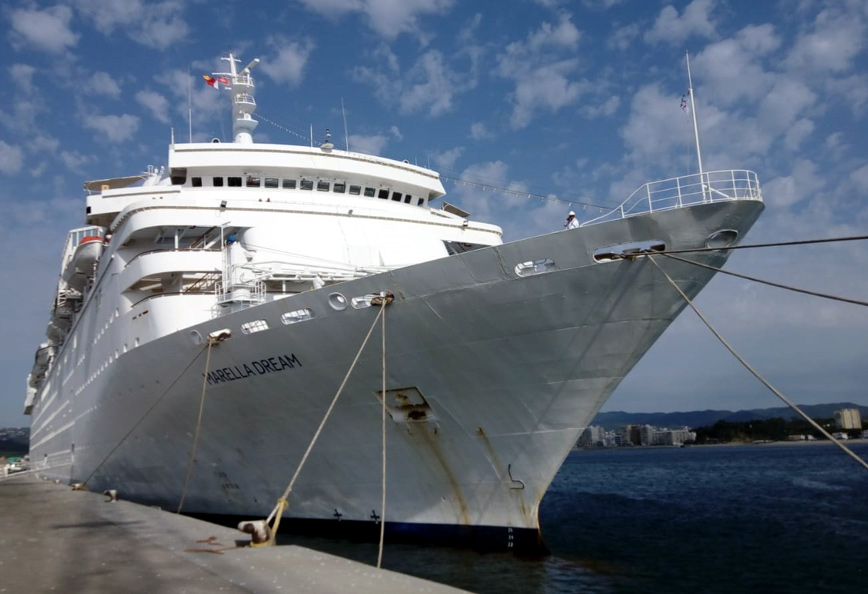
point(765, 282)
point(192, 461)
point(383, 394)
point(753, 371)
point(283, 501)
point(764, 245)
point(142, 418)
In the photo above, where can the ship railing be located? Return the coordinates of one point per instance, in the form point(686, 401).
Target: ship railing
point(245, 99)
point(684, 191)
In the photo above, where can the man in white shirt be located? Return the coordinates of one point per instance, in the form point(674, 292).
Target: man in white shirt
point(572, 221)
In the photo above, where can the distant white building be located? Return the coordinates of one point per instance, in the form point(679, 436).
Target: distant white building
point(848, 418)
point(592, 437)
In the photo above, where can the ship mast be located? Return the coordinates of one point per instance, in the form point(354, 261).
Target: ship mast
point(243, 103)
point(693, 113)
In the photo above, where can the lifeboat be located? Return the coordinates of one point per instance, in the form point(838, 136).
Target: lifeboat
point(80, 267)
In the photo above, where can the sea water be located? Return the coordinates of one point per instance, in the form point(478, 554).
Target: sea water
point(754, 518)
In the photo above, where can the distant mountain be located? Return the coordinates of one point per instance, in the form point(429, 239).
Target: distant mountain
point(702, 418)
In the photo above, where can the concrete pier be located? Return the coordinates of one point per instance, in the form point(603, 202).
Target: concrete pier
point(54, 539)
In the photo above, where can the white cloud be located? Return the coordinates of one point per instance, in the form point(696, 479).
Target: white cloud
point(47, 30)
point(852, 90)
point(541, 80)
point(369, 145)
point(73, 160)
point(155, 103)
point(112, 127)
point(623, 37)
point(158, 25)
point(429, 85)
point(389, 18)
point(288, 63)
point(447, 159)
point(11, 158)
point(781, 106)
point(396, 132)
point(655, 127)
point(22, 74)
point(859, 177)
point(102, 84)
point(797, 133)
point(674, 29)
point(604, 109)
point(802, 183)
point(478, 131)
point(836, 39)
point(731, 68)
point(563, 35)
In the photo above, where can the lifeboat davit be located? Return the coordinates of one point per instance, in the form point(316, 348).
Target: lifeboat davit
point(80, 267)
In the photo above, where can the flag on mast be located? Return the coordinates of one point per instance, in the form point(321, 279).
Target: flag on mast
point(211, 81)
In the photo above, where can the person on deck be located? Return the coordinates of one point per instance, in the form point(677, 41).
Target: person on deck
point(572, 221)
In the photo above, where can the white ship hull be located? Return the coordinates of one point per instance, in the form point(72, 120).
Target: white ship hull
point(512, 370)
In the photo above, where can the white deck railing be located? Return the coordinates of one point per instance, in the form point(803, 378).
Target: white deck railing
point(688, 190)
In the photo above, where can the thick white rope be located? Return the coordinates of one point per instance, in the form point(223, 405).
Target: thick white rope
point(282, 502)
point(192, 461)
point(383, 394)
point(753, 371)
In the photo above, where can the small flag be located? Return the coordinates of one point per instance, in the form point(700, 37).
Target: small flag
point(212, 82)
point(223, 80)
point(684, 102)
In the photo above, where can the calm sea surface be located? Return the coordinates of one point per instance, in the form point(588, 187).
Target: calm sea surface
point(764, 518)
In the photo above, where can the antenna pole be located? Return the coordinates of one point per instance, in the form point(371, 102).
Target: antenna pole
point(311, 136)
point(693, 113)
point(189, 104)
point(346, 132)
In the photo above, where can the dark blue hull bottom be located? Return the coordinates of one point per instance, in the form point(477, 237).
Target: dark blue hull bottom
point(523, 541)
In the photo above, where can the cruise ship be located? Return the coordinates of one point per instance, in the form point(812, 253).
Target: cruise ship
point(209, 311)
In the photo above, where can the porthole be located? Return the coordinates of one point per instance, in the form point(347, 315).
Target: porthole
point(337, 302)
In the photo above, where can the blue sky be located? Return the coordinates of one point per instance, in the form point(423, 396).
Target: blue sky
point(577, 101)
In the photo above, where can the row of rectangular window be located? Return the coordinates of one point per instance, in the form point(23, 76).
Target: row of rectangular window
point(307, 184)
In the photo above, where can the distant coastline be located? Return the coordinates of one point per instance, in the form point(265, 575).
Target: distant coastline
point(728, 444)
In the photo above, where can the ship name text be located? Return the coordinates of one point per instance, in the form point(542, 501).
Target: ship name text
point(245, 370)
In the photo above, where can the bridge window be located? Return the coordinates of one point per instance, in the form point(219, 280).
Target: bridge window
point(322, 186)
point(355, 190)
point(370, 192)
point(339, 187)
point(384, 194)
point(270, 182)
point(408, 199)
point(289, 184)
point(196, 182)
point(307, 184)
point(396, 196)
point(217, 182)
point(234, 182)
point(253, 181)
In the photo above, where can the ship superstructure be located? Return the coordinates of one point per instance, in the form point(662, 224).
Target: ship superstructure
point(499, 354)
